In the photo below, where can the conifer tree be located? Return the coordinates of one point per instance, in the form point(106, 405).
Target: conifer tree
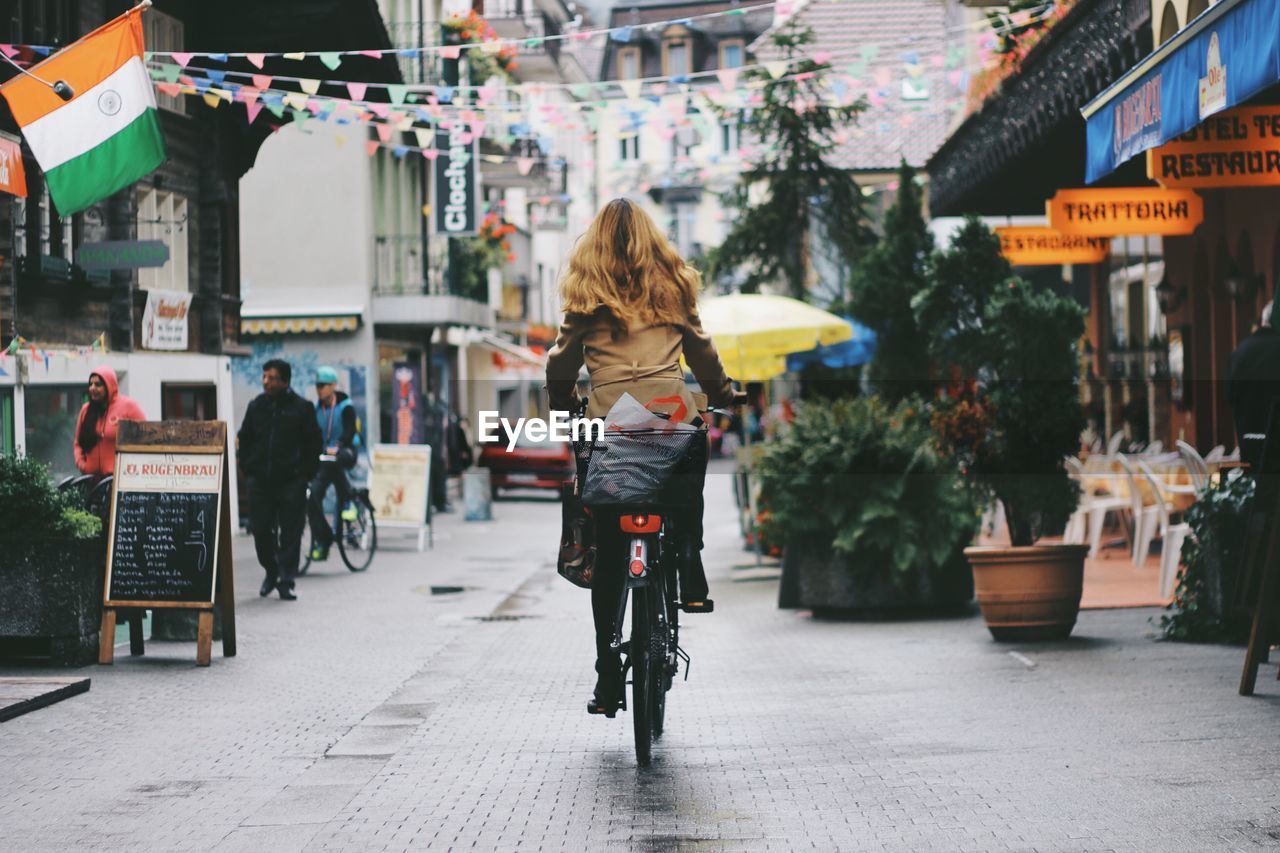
point(795, 188)
point(884, 283)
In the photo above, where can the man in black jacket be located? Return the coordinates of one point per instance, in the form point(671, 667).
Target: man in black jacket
point(279, 447)
point(1253, 386)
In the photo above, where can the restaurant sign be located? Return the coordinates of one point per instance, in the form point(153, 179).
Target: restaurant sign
point(1113, 212)
point(1029, 246)
point(1223, 58)
point(1238, 148)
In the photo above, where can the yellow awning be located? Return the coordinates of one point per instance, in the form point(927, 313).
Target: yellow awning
point(298, 325)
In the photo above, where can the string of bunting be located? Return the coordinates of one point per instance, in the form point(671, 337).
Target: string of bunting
point(20, 345)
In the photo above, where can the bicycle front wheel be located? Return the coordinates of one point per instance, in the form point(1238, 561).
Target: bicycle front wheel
point(358, 538)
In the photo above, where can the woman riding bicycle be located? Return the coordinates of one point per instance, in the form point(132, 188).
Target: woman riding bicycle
point(630, 304)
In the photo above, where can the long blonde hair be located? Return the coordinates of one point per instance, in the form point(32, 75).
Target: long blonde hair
point(624, 264)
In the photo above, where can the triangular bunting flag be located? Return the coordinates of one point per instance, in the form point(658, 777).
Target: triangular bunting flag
point(776, 69)
point(256, 58)
point(357, 90)
point(397, 93)
point(262, 81)
point(309, 86)
point(371, 147)
point(430, 153)
point(331, 59)
point(295, 55)
point(631, 88)
point(385, 131)
point(181, 58)
point(728, 77)
point(252, 108)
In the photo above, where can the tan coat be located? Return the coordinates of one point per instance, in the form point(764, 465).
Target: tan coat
point(643, 362)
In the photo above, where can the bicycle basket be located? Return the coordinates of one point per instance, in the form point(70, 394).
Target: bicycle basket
point(644, 467)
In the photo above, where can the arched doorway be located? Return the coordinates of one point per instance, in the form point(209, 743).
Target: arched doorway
point(1194, 8)
point(1168, 22)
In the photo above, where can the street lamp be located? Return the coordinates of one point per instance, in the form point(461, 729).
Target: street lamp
point(1168, 296)
point(1240, 286)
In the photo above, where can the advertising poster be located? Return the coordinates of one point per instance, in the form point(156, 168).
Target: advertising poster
point(398, 483)
point(408, 420)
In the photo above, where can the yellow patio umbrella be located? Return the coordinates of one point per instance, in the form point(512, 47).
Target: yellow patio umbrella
point(755, 332)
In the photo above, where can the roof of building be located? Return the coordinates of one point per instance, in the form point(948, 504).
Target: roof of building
point(902, 43)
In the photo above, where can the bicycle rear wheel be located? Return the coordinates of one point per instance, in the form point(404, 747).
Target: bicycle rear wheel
point(648, 667)
point(358, 539)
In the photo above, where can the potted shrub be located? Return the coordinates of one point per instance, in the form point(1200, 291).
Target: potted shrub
point(1011, 422)
point(51, 567)
point(870, 514)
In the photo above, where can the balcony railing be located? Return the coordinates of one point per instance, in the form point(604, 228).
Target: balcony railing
point(398, 267)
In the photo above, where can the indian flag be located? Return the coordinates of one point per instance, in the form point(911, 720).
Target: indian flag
point(107, 136)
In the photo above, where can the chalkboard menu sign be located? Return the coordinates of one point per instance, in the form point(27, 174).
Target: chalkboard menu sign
point(164, 528)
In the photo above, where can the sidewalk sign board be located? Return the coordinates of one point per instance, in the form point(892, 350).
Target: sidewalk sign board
point(1259, 577)
point(400, 487)
point(169, 541)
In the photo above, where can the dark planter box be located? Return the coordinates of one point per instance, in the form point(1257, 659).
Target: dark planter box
point(816, 579)
point(51, 602)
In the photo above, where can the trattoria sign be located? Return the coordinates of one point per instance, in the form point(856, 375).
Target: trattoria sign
point(1113, 212)
point(1029, 246)
point(1238, 148)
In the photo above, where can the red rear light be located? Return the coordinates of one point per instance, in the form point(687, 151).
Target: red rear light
point(637, 568)
point(640, 523)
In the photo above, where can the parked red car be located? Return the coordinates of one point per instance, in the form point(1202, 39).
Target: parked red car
point(530, 465)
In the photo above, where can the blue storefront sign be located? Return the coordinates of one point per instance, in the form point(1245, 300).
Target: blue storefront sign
point(1226, 56)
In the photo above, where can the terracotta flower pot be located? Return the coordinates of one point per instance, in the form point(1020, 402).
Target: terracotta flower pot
point(1028, 593)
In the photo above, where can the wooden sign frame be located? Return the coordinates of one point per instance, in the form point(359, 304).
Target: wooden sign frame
point(172, 437)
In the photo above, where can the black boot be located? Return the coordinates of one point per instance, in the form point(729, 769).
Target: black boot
point(693, 583)
point(609, 686)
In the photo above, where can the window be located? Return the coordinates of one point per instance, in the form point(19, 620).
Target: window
point(732, 53)
point(7, 446)
point(730, 135)
point(628, 63)
point(629, 147)
point(675, 58)
point(683, 220)
point(164, 32)
point(47, 240)
point(51, 414)
point(181, 401)
point(163, 216)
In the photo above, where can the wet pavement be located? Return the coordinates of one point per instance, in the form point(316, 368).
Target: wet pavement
point(391, 711)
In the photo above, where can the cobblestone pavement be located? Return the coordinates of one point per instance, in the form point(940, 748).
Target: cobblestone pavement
point(373, 715)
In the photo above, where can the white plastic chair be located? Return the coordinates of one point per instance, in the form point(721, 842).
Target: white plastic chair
point(1161, 491)
point(1091, 514)
point(1171, 556)
point(1233, 456)
point(1146, 516)
point(1153, 448)
point(1216, 454)
point(1195, 464)
point(1113, 445)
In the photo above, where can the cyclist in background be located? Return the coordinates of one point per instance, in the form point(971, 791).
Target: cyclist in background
point(631, 312)
point(337, 419)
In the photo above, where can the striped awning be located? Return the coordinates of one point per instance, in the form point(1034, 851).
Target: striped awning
point(299, 325)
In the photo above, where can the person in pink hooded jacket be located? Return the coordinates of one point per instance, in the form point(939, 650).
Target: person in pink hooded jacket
point(95, 440)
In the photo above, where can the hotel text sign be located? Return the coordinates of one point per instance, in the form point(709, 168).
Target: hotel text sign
point(1112, 212)
point(1238, 148)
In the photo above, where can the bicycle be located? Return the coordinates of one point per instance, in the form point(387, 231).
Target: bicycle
point(356, 538)
point(654, 556)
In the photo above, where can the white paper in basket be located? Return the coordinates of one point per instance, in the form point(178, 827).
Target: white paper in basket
point(628, 414)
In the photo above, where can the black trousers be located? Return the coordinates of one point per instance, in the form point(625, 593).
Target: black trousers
point(610, 572)
point(330, 474)
point(277, 515)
